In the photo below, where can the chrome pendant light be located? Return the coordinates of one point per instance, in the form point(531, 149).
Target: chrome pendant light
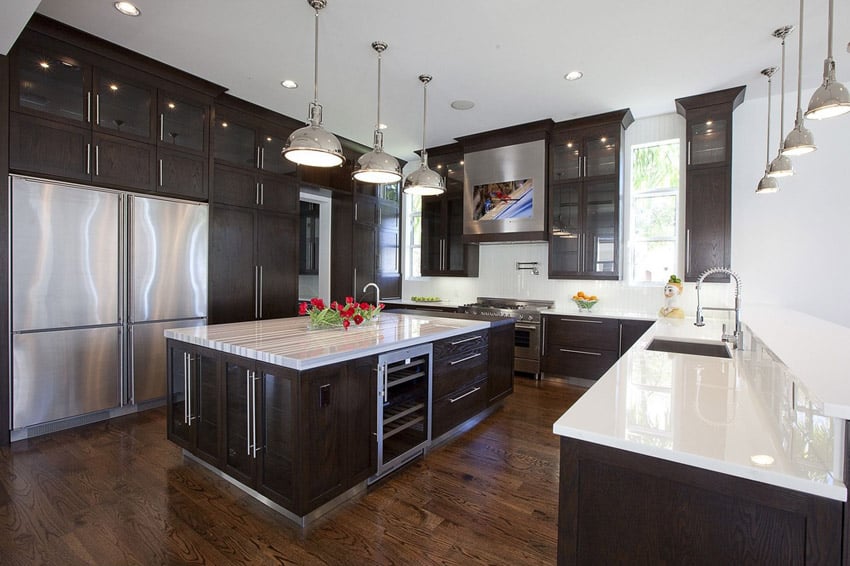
point(800, 140)
point(781, 165)
point(313, 145)
point(424, 181)
point(377, 166)
point(831, 98)
point(768, 184)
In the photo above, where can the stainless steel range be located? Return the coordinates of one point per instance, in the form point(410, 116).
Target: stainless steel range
point(527, 314)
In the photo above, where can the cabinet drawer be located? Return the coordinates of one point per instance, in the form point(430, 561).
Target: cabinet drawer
point(466, 370)
point(454, 409)
point(578, 362)
point(452, 348)
point(582, 332)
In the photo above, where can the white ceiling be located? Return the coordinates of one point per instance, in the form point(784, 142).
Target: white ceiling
point(508, 56)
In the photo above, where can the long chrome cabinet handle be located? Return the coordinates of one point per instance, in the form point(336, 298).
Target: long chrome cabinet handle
point(97, 109)
point(581, 320)
point(466, 359)
point(256, 289)
point(260, 294)
point(254, 412)
point(160, 172)
point(248, 403)
point(88, 159)
point(161, 126)
point(258, 158)
point(97, 160)
point(470, 339)
point(88, 107)
point(470, 392)
point(185, 388)
point(688, 250)
point(580, 352)
point(262, 157)
point(689, 153)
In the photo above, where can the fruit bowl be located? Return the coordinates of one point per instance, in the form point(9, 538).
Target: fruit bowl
point(585, 304)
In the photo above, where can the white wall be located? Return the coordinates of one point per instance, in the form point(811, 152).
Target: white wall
point(791, 248)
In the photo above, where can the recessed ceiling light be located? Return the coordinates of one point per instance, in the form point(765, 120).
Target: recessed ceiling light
point(288, 84)
point(127, 8)
point(382, 126)
point(462, 104)
point(44, 64)
point(574, 75)
point(172, 105)
point(762, 460)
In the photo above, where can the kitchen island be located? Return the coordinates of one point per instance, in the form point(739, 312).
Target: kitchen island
point(688, 459)
point(292, 415)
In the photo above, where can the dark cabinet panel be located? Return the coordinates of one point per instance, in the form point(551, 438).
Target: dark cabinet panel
point(231, 265)
point(183, 123)
point(277, 258)
point(280, 194)
point(235, 143)
point(50, 148)
point(241, 390)
point(51, 80)
point(123, 107)
point(631, 331)
point(235, 186)
point(583, 347)
point(500, 363)
point(124, 163)
point(455, 409)
point(277, 434)
point(182, 174)
point(459, 387)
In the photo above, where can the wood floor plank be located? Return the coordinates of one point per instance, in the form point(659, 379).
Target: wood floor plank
point(117, 492)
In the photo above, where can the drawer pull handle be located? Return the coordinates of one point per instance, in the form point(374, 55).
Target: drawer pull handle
point(470, 392)
point(581, 320)
point(475, 355)
point(581, 352)
point(466, 340)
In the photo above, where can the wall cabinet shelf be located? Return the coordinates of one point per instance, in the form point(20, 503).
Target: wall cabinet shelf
point(585, 186)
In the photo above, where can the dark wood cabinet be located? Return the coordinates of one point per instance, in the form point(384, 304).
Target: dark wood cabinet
point(631, 331)
point(459, 388)
point(195, 400)
point(579, 346)
point(443, 252)
point(297, 438)
point(670, 513)
point(708, 180)
point(500, 363)
point(253, 264)
point(84, 116)
point(376, 254)
point(585, 186)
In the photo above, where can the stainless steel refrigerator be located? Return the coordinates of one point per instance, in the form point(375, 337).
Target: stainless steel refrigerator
point(96, 275)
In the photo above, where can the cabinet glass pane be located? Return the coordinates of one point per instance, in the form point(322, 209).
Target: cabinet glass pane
point(566, 228)
point(234, 143)
point(182, 124)
point(271, 158)
point(389, 251)
point(708, 142)
point(52, 84)
point(237, 418)
point(566, 160)
point(432, 233)
point(601, 157)
point(601, 230)
point(454, 238)
point(123, 107)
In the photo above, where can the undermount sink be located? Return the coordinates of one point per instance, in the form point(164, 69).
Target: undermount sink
point(695, 348)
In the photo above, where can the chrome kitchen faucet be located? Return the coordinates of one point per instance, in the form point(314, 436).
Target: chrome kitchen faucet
point(377, 294)
point(736, 339)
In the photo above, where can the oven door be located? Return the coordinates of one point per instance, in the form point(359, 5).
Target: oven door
point(527, 347)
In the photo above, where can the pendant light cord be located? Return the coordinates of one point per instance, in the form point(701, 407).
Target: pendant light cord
point(829, 32)
point(767, 150)
point(782, 98)
point(799, 117)
point(316, 61)
point(424, 117)
point(378, 123)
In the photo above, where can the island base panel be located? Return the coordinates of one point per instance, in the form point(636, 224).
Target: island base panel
point(618, 507)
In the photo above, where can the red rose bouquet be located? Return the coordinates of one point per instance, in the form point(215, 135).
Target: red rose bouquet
point(338, 314)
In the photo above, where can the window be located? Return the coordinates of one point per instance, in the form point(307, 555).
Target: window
point(413, 213)
point(654, 211)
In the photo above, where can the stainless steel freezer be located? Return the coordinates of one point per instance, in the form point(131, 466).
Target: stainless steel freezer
point(168, 284)
point(66, 301)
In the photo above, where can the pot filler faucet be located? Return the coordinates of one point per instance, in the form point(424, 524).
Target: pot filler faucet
point(736, 339)
point(377, 292)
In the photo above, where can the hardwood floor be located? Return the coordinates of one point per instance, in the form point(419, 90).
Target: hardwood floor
point(119, 493)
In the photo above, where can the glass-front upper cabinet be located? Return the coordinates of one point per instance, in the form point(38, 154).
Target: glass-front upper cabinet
point(601, 228)
point(588, 152)
point(600, 155)
point(123, 107)
point(566, 158)
point(271, 159)
point(707, 140)
point(182, 123)
point(566, 229)
point(51, 82)
point(235, 143)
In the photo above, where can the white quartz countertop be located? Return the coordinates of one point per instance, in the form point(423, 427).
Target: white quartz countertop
point(287, 342)
point(748, 416)
point(600, 312)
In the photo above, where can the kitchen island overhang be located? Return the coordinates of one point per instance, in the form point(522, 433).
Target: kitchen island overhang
point(291, 416)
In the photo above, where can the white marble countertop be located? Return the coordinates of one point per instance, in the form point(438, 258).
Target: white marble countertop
point(287, 342)
point(748, 416)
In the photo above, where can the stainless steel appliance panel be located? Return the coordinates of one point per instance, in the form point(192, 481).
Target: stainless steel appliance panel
point(168, 259)
point(148, 357)
point(64, 373)
point(65, 256)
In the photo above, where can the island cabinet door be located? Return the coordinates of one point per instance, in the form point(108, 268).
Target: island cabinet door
point(195, 400)
point(240, 375)
point(276, 402)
